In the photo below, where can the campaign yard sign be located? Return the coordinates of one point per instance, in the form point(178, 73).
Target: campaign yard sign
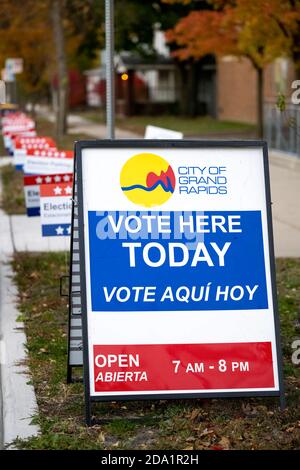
point(48, 161)
point(22, 145)
point(56, 209)
point(32, 185)
point(177, 270)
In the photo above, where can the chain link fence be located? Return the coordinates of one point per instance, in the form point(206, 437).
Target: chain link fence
point(282, 128)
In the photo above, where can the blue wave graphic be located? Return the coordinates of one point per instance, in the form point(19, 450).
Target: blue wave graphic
point(167, 189)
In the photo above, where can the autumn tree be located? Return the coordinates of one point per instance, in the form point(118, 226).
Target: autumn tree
point(238, 27)
point(23, 34)
point(50, 36)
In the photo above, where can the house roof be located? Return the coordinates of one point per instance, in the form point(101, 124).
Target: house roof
point(135, 61)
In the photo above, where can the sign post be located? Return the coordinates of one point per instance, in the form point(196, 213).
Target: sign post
point(177, 271)
point(110, 72)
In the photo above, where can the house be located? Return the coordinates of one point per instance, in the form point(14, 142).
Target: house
point(224, 88)
point(237, 87)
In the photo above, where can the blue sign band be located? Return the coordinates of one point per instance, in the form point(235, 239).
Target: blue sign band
point(180, 269)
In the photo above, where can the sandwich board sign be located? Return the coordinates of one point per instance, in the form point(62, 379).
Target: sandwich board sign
point(75, 356)
point(177, 270)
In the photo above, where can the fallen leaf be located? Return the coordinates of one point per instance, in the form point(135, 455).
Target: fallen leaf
point(291, 429)
point(224, 443)
point(206, 432)
point(191, 439)
point(194, 414)
point(33, 275)
point(101, 437)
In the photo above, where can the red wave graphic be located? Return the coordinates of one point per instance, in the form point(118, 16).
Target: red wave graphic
point(152, 178)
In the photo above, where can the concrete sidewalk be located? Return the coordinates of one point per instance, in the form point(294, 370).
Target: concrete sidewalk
point(78, 125)
point(285, 195)
point(17, 398)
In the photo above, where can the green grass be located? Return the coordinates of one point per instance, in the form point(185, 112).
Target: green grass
point(12, 198)
point(45, 127)
point(2, 149)
point(249, 423)
point(198, 126)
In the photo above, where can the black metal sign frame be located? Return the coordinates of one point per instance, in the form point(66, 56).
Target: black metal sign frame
point(180, 144)
point(70, 362)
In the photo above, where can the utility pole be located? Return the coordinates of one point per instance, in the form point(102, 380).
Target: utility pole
point(61, 67)
point(110, 73)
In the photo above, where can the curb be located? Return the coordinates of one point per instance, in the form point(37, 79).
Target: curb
point(19, 400)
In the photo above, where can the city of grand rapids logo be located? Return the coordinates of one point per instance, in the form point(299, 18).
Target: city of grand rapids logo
point(147, 180)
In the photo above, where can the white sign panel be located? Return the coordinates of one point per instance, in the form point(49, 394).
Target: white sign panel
point(56, 209)
point(32, 185)
point(154, 132)
point(178, 261)
point(47, 162)
point(22, 145)
point(15, 65)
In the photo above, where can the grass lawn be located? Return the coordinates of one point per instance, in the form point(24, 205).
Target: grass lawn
point(2, 149)
point(253, 423)
point(45, 127)
point(203, 125)
point(12, 198)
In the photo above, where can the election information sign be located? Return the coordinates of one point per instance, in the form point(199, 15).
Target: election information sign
point(32, 185)
point(23, 144)
point(177, 270)
point(48, 161)
point(56, 209)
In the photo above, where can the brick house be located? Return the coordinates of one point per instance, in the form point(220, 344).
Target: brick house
point(236, 87)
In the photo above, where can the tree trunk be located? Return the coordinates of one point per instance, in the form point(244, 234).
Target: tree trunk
point(62, 72)
point(260, 102)
point(192, 87)
point(183, 95)
point(188, 86)
point(296, 60)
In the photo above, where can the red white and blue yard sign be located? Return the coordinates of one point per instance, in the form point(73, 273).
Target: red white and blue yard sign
point(9, 138)
point(177, 271)
point(32, 185)
point(56, 209)
point(47, 162)
point(22, 145)
point(16, 124)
